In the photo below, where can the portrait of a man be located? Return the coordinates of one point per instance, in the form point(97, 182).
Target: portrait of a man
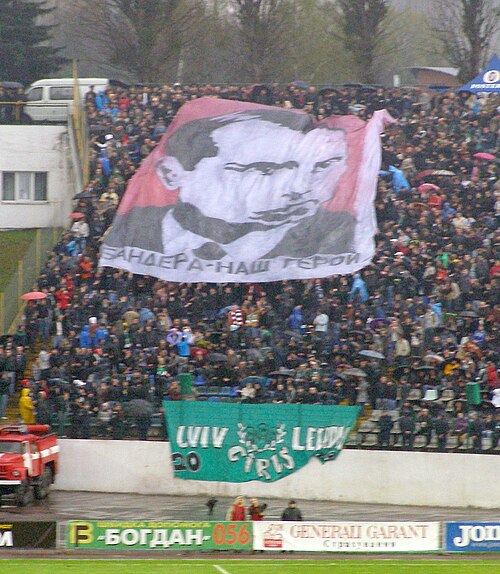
point(251, 185)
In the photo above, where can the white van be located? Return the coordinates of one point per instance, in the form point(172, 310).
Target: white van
point(51, 100)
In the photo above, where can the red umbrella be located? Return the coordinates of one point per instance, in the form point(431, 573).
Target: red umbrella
point(425, 187)
point(77, 215)
point(424, 173)
point(197, 351)
point(484, 155)
point(33, 296)
point(427, 172)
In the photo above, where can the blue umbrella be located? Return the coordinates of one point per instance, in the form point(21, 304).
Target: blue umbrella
point(300, 84)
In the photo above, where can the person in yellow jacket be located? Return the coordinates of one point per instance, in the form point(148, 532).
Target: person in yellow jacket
point(27, 408)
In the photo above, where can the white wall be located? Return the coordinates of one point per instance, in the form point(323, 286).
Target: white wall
point(385, 477)
point(37, 148)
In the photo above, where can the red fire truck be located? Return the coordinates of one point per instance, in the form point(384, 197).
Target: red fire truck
point(28, 460)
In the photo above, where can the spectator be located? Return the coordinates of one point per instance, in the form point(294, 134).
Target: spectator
point(27, 408)
point(62, 409)
point(442, 429)
point(460, 428)
point(476, 428)
point(4, 394)
point(174, 391)
point(385, 425)
point(425, 426)
point(292, 513)
point(407, 426)
point(236, 511)
point(433, 281)
point(256, 510)
point(43, 412)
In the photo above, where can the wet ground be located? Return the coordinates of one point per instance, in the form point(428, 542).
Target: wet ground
point(63, 506)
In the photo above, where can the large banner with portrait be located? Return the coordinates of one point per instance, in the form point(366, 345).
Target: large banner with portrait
point(240, 192)
point(235, 442)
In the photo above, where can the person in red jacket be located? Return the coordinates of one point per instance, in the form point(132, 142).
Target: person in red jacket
point(237, 510)
point(256, 510)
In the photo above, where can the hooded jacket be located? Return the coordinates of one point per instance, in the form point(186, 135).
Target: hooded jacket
point(26, 408)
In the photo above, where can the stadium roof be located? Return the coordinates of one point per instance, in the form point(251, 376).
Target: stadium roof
point(450, 71)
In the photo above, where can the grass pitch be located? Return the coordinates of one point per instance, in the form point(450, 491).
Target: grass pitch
point(404, 565)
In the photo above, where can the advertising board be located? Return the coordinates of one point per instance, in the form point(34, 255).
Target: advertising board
point(151, 535)
point(473, 537)
point(27, 535)
point(347, 536)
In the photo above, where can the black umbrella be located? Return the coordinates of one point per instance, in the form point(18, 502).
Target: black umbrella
point(328, 90)
point(371, 354)
point(433, 357)
point(11, 85)
point(352, 85)
point(138, 408)
point(355, 373)
point(469, 314)
point(282, 372)
point(300, 84)
point(217, 358)
point(59, 382)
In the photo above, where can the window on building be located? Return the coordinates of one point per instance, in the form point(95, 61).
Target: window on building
point(9, 186)
point(21, 186)
point(40, 189)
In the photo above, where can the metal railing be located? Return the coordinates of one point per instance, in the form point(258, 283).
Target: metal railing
point(22, 281)
point(12, 113)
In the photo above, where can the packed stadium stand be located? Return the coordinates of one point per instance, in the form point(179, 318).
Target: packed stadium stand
point(412, 338)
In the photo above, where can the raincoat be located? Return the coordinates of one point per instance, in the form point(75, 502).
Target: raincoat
point(27, 408)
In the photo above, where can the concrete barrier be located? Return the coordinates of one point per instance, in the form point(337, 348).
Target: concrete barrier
point(384, 477)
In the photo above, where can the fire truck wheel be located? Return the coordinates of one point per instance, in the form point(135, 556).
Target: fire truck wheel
point(23, 494)
point(42, 489)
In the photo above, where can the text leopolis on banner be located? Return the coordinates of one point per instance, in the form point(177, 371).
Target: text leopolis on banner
point(238, 442)
point(241, 192)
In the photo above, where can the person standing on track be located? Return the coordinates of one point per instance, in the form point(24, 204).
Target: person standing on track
point(256, 510)
point(292, 513)
point(237, 510)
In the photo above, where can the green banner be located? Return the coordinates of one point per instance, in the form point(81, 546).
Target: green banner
point(155, 535)
point(238, 442)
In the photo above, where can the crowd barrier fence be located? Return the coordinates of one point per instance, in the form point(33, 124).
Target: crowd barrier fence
point(22, 281)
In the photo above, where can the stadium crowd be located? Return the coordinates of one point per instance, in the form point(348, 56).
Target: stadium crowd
point(412, 338)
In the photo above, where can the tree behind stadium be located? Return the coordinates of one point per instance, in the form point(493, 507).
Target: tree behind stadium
point(25, 55)
point(363, 32)
point(466, 29)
